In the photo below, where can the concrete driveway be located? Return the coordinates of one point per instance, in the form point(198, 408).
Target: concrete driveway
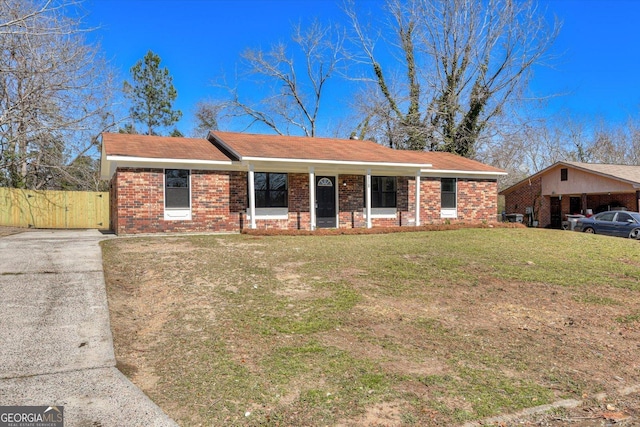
point(55, 340)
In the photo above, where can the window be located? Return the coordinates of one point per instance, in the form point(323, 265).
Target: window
point(383, 191)
point(607, 216)
point(624, 217)
point(564, 174)
point(271, 190)
point(176, 188)
point(448, 193)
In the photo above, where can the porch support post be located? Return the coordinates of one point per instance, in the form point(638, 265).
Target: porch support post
point(418, 199)
point(252, 198)
point(312, 198)
point(368, 197)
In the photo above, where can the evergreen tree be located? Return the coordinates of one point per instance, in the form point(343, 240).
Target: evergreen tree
point(152, 94)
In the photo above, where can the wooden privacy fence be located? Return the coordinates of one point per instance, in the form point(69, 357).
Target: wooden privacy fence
point(54, 209)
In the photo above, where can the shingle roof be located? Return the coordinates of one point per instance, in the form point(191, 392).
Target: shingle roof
point(304, 148)
point(232, 146)
point(449, 161)
point(630, 174)
point(623, 172)
point(160, 147)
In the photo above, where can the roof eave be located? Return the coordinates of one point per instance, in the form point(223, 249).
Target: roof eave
point(493, 174)
point(121, 158)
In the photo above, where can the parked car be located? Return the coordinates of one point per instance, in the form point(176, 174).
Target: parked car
point(612, 223)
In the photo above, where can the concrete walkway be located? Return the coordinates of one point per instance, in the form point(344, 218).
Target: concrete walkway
point(55, 340)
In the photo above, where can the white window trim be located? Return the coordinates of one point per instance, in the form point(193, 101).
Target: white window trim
point(175, 214)
point(449, 213)
point(270, 213)
point(386, 213)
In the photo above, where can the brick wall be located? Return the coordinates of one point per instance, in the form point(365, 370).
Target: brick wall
point(604, 201)
point(526, 195)
point(477, 200)
point(217, 198)
point(219, 202)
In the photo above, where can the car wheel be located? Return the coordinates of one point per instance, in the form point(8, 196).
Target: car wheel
point(635, 233)
point(589, 230)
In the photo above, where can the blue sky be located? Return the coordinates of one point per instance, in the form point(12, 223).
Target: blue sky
point(597, 69)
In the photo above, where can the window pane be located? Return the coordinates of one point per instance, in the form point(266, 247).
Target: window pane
point(270, 189)
point(277, 181)
point(390, 184)
point(448, 200)
point(623, 217)
point(176, 192)
point(448, 184)
point(261, 199)
point(260, 181)
point(376, 200)
point(564, 174)
point(277, 199)
point(177, 178)
point(177, 197)
point(383, 192)
point(606, 216)
point(375, 183)
point(389, 200)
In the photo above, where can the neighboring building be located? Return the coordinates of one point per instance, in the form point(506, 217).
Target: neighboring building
point(567, 188)
point(232, 181)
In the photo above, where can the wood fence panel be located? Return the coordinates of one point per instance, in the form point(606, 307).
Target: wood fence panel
point(54, 209)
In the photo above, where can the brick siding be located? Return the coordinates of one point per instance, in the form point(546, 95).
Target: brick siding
point(219, 202)
point(528, 194)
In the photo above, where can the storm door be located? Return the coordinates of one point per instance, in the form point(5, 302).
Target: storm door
point(325, 202)
point(556, 212)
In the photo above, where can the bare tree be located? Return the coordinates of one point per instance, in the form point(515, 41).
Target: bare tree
point(463, 62)
point(293, 79)
point(54, 98)
point(207, 115)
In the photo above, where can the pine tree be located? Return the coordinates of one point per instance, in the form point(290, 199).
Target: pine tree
point(152, 94)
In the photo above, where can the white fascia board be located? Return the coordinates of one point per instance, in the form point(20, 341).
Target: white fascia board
point(337, 162)
point(168, 161)
point(461, 173)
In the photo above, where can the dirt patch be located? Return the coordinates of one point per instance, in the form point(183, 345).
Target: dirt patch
point(219, 328)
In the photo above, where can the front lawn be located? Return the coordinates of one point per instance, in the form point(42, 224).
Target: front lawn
point(425, 328)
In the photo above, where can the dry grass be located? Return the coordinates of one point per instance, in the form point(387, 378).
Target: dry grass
point(400, 329)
